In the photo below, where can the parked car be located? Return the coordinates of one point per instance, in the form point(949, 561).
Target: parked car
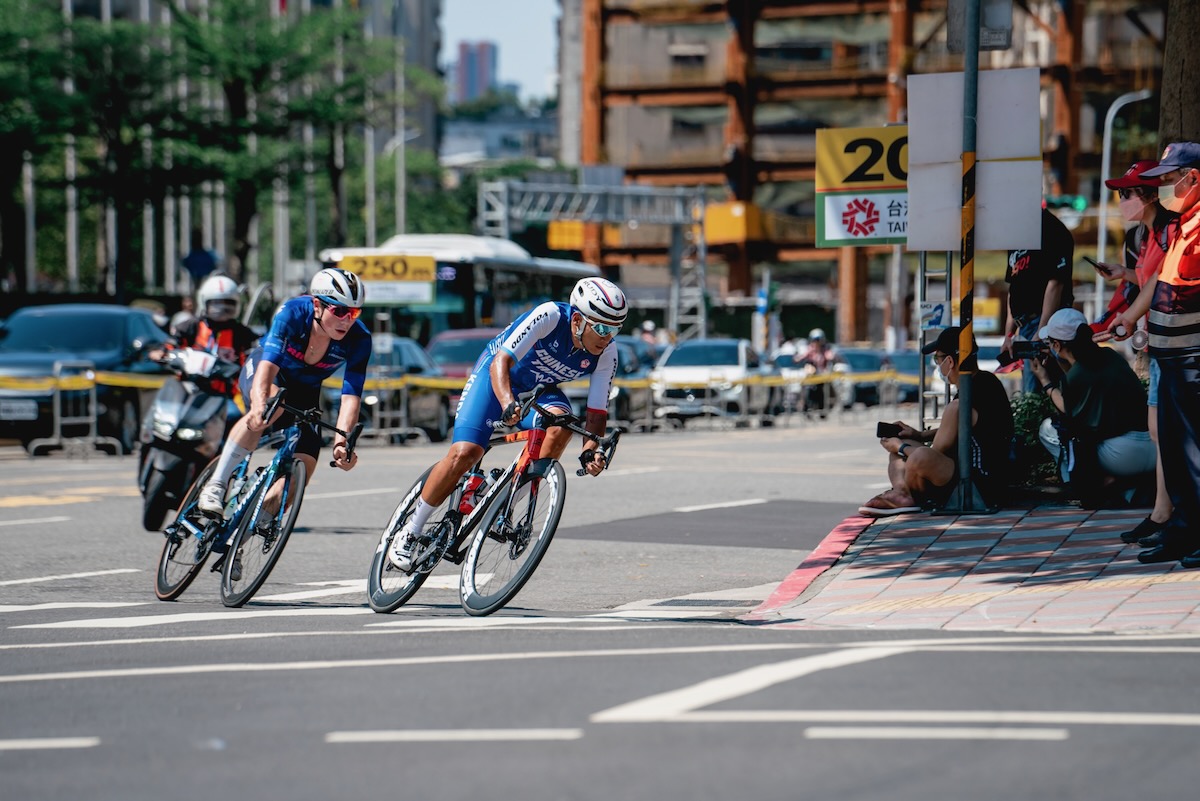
point(455, 353)
point(625, 406)
point(703, 377)
point(111, 338)
point(395, 357)
point(857, 379)
point(907, 365)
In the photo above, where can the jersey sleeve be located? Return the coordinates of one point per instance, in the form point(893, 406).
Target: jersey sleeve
point(540, 323)
point(602, 378)
point(356, 366)
point(287, 325)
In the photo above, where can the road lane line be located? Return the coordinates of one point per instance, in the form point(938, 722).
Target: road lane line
point(929, 733)
point(343, 664)
point(992, 717)
point(318, 496)
point(194, 617)
point(327, 588)
point(672, 705)
point(70, 605)
point(727, 505)
point(452, 735)
point(63, 576)
point(632, 471)
point(32, 521)
point(33, 744)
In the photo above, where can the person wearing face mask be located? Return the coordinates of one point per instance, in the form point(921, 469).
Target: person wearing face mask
point(1173, 302)
point(923, 465)
point(551, 343)
point(1102, 407)
point(1145, 248)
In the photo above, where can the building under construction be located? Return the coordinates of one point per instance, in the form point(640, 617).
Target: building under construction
point(729, 95)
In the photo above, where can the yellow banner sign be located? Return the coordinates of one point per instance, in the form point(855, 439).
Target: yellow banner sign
point(391, 268)
point(862, 158)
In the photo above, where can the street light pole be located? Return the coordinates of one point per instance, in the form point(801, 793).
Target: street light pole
point(1105, 166)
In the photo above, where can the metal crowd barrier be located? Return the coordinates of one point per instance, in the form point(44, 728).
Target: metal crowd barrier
point(74, 405)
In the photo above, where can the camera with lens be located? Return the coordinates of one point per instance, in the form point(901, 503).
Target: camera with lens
point(1026, 349)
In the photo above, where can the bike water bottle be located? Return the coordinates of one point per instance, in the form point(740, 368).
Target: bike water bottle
point(235, 490)
point(473, 490)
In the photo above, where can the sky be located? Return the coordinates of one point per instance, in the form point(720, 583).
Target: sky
point(524, 30)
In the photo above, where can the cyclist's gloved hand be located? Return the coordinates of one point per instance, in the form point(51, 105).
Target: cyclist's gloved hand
point(592, 461)
point(512, 413)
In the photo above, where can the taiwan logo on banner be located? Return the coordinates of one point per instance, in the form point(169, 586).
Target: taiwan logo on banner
point(862, 218)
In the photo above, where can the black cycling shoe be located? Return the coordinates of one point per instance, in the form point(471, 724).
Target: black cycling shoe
point(1142, 530)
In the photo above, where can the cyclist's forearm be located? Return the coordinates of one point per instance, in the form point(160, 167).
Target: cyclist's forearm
point(499, 375)
point(264, 378)
point(595, 423)
point(347, 416)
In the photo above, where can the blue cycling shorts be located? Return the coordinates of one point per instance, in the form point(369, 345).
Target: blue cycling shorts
point(479, 408)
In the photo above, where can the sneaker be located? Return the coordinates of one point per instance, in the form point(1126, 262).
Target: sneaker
point(1142, 530)
point(401, 552)
point(889, 503)
point(212, 500)
point(235, 570)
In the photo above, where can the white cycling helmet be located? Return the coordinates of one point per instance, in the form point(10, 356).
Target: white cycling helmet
point(600, 300)
point(338, 287)
point(219, 299)
point(816, 334)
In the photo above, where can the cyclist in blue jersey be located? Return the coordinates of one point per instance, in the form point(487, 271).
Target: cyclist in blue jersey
point(310, 338)
point(550, 344)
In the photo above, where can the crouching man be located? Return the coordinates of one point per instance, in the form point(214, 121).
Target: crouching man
point(923, 465)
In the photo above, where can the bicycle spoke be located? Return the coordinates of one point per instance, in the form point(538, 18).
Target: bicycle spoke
point(261, 538)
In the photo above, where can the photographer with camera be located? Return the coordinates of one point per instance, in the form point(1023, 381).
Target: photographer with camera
point(1103, 408)
point(923, 466)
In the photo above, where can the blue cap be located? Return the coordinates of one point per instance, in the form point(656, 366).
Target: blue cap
point(1177, 155)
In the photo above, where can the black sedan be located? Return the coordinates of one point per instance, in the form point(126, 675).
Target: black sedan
point(76, 339)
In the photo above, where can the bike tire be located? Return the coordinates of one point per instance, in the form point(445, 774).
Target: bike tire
point(181, 558)
point(499, 562)
point(155, 504)
point(389, 587)
point(254, 552)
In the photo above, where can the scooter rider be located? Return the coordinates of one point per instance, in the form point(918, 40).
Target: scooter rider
point(310, 338)
point(551, 343)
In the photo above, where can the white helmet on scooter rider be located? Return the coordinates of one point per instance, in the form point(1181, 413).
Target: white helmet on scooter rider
point(219, 299)
point(600, 300)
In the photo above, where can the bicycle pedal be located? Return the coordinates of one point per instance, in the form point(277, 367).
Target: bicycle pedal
point(217, 565)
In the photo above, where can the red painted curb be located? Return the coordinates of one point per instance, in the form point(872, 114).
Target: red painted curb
point(826, 554)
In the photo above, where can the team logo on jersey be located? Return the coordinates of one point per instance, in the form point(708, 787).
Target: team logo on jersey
point(584, 364)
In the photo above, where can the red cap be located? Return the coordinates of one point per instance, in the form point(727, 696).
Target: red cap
point(1132, 176)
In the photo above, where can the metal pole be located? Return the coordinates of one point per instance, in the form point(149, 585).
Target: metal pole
point(28, 190)
point(369, 138)
point(966, 498)
point(401, 124)
point(1105, 166)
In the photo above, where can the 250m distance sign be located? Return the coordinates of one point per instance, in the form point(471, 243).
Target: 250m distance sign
point(862, 186)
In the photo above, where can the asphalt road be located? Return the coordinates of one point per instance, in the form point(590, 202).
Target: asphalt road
point(621, 671)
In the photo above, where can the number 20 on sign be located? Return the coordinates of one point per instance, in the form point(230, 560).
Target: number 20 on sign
point(862, 158)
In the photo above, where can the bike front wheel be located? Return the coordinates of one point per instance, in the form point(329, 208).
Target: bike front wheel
point(183, 554)
point(511, 541)
point(260, 537)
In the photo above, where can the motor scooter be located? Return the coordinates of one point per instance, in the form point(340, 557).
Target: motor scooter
point(184, 429)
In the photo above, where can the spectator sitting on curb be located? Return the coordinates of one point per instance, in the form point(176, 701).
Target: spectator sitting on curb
point(923, 465)
point(1104, 410)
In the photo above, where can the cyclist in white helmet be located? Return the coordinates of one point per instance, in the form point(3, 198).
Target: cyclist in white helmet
point(310, 338)
point(552, 343)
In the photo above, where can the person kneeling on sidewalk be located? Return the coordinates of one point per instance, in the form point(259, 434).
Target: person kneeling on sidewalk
point(923, 465)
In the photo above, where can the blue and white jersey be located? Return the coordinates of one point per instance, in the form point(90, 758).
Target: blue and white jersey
point(287, 340)
point(541, 345)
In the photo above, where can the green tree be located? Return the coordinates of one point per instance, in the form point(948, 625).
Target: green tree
point(260, 67)
point(1179, 117)
point(34, 112)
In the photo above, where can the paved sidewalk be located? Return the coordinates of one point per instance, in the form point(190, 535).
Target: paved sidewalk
point(1048, 568)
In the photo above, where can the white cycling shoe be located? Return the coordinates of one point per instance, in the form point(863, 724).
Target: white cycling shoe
point(400, 554)
point(212, 500)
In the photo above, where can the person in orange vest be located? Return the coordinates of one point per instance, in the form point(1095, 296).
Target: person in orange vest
point(1173, 302)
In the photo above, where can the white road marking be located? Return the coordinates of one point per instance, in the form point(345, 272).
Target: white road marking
point(994, 717)
point(632, 471)
point(65, 576)
point(727, 505)
point(329, 588)
point(33, 744)
point(880, 486)
point(476, 622)
point(194, 617)
point(342, 664)
point(70, 605)
point(318, 496)
point(674, 704)
point(452, 735)
point(33, 520)
point(928, 733)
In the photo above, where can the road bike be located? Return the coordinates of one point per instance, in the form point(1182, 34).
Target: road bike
point(250, 537)
point(496, 524)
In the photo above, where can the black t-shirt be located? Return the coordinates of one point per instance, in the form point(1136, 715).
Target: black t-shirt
point(1029, 271)
point(991, 437)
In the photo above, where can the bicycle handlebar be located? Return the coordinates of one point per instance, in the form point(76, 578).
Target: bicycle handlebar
point(571, 422)
point(313, 417)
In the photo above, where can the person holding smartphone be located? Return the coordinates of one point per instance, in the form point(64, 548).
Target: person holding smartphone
point(1145, 248)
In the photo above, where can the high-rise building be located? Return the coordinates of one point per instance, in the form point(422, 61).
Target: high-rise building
point(475, 73)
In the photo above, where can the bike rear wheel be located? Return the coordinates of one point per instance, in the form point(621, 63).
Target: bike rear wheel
point(389, 587)
point(182, 555)
point(505, 552)
point(261, 537)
